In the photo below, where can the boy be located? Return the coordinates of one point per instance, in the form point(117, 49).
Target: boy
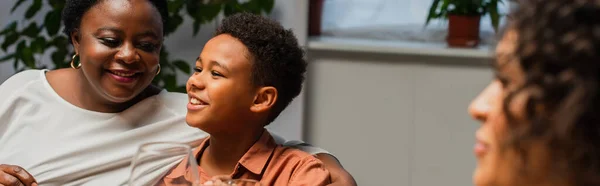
point(245, 76)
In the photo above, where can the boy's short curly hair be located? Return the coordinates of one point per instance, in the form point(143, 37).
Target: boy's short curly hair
point(277, 58)
point(558, 49)
point(75, 9)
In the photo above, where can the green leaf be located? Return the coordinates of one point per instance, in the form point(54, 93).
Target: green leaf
point(12, 27)
point(175, 6)
point(62, 41)
point(228, 10)
point(170, 82)
point(444, 9)
point(9, 40)
point(202, 13)
point(191, 7)
point(170, 66)
point(432, 11)
point(7, 57)
point(57, 4)
point(33, 9)
point(232, 7)
point(157, 79)
point(173, 23)
point(31, 31)
point(196, 27)
point(59, 41)
point(20, 47)
point(16, 62)
point(58, 58)
point(26, 55)
point(494, 16)
point(267, 5)
point(164, 55)
point(21, 69)
point(209, 12)
point(183, 66)
point(180, 89)
point(18, 54)
point(38, 45)
point(52, 22)
point(16, 5)
point(252, 6)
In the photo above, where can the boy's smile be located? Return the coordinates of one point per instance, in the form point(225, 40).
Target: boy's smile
point(196, 103)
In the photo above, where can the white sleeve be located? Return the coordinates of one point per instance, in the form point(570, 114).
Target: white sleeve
point(9, 90)
point(297, 144)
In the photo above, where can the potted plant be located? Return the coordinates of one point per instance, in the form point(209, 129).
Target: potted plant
point(464, 17)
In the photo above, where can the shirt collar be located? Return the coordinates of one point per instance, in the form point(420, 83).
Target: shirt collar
point(257, 157)
point(254, 160)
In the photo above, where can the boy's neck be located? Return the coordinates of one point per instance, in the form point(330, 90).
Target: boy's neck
point(225, 150)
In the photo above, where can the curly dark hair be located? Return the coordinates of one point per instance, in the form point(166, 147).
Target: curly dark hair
point(278, 60)
point(75, 9)
point(558, 49)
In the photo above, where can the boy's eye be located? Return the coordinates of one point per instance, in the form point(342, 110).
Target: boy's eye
point(198, 69)
point(215, 73)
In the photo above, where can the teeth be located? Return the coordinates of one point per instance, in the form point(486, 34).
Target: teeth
point(195, 101)
point(123, 74)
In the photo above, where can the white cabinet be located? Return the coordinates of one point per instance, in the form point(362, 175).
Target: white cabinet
point(395, 119)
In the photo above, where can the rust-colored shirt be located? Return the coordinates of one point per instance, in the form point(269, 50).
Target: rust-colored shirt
point(267, 162)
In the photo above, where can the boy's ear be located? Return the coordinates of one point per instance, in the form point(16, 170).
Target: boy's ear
point(265, 99)
point(75, 39)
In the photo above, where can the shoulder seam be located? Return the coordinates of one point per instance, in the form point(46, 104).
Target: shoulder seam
point(306, 160)
point(21, 88)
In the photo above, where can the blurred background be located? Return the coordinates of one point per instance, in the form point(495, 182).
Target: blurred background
point(385, 93)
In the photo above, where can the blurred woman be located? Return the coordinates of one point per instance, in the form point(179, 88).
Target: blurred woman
point(541, 114)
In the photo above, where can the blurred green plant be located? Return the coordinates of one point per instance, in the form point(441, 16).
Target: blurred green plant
point(24, 42)
point(440, 9)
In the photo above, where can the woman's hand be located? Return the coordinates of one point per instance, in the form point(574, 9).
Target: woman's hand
point(12, 175)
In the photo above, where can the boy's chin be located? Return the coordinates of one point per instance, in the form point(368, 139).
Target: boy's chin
point(207, 126)
point(195, 122)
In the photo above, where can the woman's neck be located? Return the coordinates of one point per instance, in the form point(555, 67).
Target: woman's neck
point(225, 150)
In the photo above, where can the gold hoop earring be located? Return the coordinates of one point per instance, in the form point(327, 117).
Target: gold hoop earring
point(73, 62)
point(157, 72)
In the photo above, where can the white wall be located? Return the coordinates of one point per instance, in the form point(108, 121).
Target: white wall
point(395, 119)
point(181, 44)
